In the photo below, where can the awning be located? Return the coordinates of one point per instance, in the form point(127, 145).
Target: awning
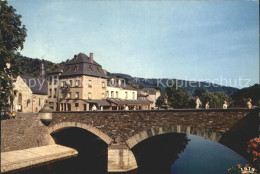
point(128, 102)
point(98, 102)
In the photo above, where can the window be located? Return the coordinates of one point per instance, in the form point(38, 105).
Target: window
point(103, 84)
point(107, 94)
point(76, 105)
point(20, 98)
point(99, 69)
point(112, 81)
point(63, 95)
point(61, 106)
point(89, 83)
point(91, 67)
point(50, 94)
point(116, 94)
point(103, 96)
point(55, 80)
point(69, 95)
point(77, 83)
point(76, 68)
point(63, 83)
point(85, 107)
point(89, 95)
point(133, 95)
point(126, 95)
point(112, 94)
point(55, 92)
point(15, 92)
point(68, 68)
point(77, 95)
point(70, 82)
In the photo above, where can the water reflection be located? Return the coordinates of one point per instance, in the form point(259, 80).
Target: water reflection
point(158, 153)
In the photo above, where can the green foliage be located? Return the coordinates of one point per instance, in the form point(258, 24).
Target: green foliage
point(160, 101)
point(199, 91)
point(177, 97)
point(240, 98)
point(12, 37)
point(216, 99)
point(31, 67)
point(191, 103)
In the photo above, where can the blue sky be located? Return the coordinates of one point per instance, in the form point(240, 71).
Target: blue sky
point(195, 40)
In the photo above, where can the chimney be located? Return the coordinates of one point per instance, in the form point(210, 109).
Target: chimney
point(91, 57)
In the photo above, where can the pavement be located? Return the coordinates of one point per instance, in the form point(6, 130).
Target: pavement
point(19, 159)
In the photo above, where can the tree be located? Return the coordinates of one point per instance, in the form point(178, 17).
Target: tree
point(215, 99)
point(177, 97)
point(160, 101)
point(12, 37)
point(199, 91)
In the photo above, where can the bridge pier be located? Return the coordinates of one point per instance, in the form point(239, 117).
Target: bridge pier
point(120, 158)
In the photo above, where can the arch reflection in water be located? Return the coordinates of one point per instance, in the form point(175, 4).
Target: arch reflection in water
point(158, 153)
point(92, 150)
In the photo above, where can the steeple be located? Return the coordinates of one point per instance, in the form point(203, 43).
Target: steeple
point(42, 71)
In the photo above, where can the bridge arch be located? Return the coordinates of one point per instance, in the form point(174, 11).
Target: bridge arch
point(141, 136)
point(63, 125)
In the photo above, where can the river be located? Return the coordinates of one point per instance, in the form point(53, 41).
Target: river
point(164, 154)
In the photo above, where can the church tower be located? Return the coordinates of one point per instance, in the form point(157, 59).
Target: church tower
point(42, 71)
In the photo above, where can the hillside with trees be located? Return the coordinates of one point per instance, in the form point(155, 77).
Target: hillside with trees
point(31, 66)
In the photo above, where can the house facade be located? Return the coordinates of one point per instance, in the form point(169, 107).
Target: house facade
point(82, 84)
point(123, 96)
point(30, 94)
point(149, 94)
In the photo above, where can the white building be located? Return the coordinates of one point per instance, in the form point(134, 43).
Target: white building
point(122, 96)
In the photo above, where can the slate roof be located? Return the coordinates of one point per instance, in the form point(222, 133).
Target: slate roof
point(81, 65)
point(127, 102)
point(123, 85)
point(150, 91)
point(35, 84)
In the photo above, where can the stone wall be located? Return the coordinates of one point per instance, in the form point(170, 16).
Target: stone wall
point(23, 133)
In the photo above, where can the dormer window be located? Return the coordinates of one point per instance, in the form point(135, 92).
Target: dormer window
point(68, 68)
point(76, 68)
point(99, 69)
point(91, 67)
point(112, 81)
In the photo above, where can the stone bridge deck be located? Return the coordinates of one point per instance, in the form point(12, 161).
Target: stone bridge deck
point(19, 159)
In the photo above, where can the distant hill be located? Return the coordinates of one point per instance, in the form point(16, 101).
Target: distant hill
point(189, 86)
point(31, 66)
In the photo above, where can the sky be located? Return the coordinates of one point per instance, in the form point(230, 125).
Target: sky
point(215, 41)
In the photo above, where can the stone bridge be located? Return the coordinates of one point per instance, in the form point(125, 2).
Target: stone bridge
point(122, 130)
